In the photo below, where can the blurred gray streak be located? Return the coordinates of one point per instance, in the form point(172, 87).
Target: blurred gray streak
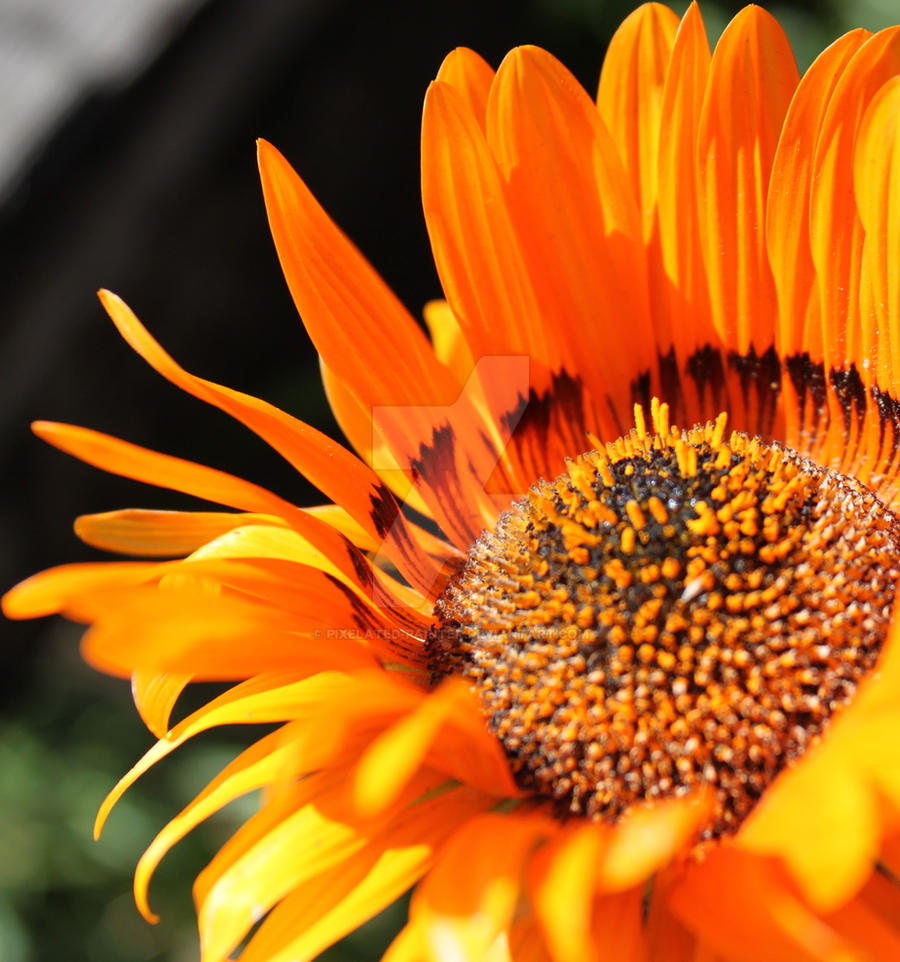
point(54, 53)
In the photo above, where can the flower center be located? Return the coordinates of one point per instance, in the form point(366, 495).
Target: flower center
point(678, 608)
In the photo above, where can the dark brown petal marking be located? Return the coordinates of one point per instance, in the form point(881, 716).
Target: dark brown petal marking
point(676, 609)
point(541, 421)
point(669, 382)
point(360, 564)
point(640, 392)
point(437, 466)
point(383, 509)
point(751, 385)
point(808, 379)
point(760, 380)
point(362, 614)
point(707, 370)
point(371, 627)
point(851, 395)
point(888, 409)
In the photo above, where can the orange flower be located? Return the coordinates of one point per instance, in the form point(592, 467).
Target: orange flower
point(645, 709)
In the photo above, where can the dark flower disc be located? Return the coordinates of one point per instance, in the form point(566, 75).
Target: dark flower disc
point(677, 609)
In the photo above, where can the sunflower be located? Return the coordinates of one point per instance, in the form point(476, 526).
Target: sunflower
point(594, 637)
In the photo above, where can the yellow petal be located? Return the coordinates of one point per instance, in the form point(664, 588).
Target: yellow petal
point(647, 838)
point(303, 845)
point(489, 852)
point(316, 914)
point(394, 756)
point(448, 339)
point(155, 696)
point(266, 698)
point(564, 892)
point(254, 768)
point(804, 818)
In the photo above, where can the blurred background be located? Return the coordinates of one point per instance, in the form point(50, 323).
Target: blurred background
point(127, 161)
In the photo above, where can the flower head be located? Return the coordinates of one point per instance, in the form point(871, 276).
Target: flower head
point(604, 686)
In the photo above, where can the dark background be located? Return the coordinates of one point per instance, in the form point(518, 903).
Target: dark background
point(151, 190)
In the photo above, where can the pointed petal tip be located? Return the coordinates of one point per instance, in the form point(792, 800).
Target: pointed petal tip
point(10, 607)
point(45, 429)
point(269, 157)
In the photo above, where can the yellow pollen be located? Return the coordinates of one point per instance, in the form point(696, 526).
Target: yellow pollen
point(676, 609)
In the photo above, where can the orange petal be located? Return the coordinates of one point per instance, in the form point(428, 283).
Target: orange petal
point(130, 461)
point(871, 921)
point(835, 229)
point(798, 331)
point(367, 340)
point(315, 596)
point(358, 326)
point(619, 926)
point(852, 340)
point(526, 942)
point(439, 459)
point(384, 605)
point(752, 78)
point(136, 531)
point(630, 97)
point(354, 418)
point(211, 636)
point(581, 241)
point(50, 592)
point(471, 76)
point(341, 476)
point(341, 520)
point(683, 313)
point(475, 247)
point(787, 209)
point(667, 937)
point(741, 905)
point(877, 189)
